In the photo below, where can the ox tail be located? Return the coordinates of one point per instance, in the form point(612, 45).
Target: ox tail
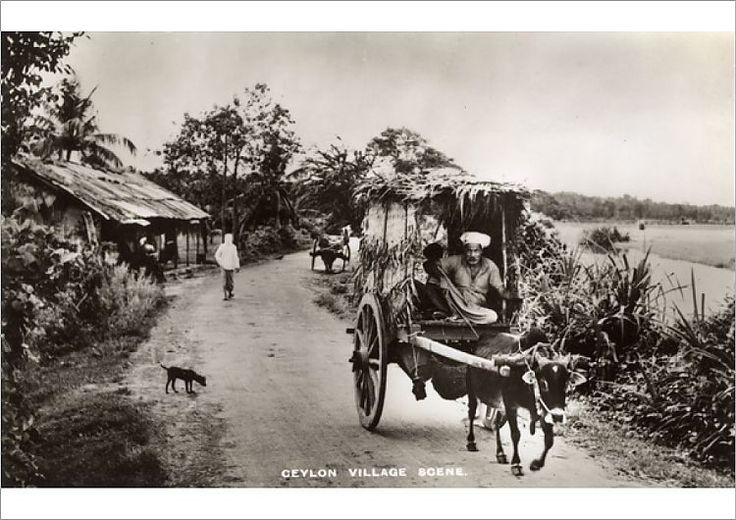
point(165, 368)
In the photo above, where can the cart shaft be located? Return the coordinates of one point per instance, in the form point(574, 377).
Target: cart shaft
point(453, 353)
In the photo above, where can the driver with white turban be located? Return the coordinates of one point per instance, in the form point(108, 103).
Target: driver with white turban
point(472, 276)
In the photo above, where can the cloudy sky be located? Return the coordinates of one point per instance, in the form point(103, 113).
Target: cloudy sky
point(649, 114)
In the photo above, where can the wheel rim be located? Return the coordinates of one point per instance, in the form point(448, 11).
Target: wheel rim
point(369, 362)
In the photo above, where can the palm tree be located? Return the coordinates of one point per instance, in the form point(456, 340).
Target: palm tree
point(71, 126)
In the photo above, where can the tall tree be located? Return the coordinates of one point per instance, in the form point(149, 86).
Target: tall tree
point(238, 150)
point(70, 126)
point(202, 155)
point(272, 144)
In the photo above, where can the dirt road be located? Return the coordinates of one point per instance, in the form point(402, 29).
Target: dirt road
point(279, 400)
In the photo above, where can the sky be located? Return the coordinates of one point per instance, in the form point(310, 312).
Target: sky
point(645, 114)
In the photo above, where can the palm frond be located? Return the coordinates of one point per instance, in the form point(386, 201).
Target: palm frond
point(117, 140)
point(97, 155)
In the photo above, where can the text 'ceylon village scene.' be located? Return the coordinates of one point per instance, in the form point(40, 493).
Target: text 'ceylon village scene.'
point(367, 260)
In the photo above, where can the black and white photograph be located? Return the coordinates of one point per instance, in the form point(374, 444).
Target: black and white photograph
point(343, 259)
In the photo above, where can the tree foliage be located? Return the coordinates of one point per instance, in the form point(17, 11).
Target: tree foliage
point(407, 151)
point(25, 57)
point(326, 182)
point(328, 178)
point(573, 206)
point(70, 126)
point(272, 145)
point(236, 151)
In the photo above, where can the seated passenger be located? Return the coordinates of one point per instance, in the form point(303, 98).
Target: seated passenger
point(433, 298)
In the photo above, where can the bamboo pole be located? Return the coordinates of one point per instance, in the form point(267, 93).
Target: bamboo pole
point(504, 261)
point(188, 245)
point(454, 354)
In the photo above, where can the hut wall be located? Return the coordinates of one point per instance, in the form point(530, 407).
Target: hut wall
point(391, 225)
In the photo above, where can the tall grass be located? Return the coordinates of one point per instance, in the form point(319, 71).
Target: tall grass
point(673, 379)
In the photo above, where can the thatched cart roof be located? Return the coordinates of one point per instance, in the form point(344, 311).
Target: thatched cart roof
point(119, 196)
point(437, 184)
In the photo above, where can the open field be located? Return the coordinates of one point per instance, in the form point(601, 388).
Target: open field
point(675, 254)
point(703, 244)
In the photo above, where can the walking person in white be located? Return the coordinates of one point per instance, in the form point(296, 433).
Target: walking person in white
point(227, 258)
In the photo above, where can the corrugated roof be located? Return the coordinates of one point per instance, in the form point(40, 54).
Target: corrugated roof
point(113, 195)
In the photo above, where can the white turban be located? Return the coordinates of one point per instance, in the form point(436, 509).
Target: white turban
point(473, 237)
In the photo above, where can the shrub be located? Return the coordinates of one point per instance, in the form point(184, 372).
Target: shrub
point(54, 293)
point(267, 240)
point(693, 405)
point(36, 265)
point(671, 380)
point(125, 299)
point(603, 239)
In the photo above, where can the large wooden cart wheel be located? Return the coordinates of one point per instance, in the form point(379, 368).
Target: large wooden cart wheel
point(314, 250)
point(369, 362)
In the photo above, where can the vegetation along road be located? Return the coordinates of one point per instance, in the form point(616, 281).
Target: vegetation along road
point(279, 402)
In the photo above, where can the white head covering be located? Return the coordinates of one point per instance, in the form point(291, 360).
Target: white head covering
point(474, 237)
point(228, 239)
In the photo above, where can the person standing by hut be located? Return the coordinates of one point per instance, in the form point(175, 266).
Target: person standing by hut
point(227, 258)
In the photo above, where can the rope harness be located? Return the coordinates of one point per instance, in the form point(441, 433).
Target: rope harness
point(535, 382)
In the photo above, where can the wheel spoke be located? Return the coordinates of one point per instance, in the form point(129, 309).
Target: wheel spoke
point(373, 376)
point(361, 340)
point(372, 346)
point(361, 388)
point(367, 391)
point(365, 318)
point(370, 332)
point(371, 392)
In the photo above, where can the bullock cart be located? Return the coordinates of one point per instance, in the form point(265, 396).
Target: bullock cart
point(405, 213)
point(331, 248)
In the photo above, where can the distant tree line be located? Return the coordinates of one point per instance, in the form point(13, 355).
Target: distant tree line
point(573, 206)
